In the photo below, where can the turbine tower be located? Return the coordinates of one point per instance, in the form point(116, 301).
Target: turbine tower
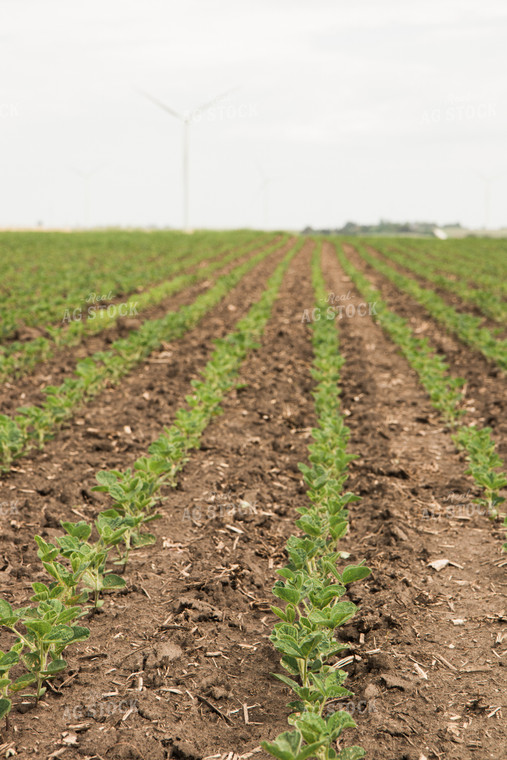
point(86, 176)
point(264, 189)
point(487, 195)
point(186, 119)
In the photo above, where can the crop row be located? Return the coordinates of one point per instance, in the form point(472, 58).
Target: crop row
point(465, 326)
point(482, 262)
point(490, 305)
point(17, 358)
point(36, 424)
point(312, 585)
point(78, 567)
point(443, 390)
point(44, 274)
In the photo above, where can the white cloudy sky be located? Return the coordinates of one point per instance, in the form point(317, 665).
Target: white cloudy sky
point(350, 111)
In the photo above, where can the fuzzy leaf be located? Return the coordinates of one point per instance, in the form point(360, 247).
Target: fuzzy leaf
point(60, 634)
point(7, 615)
point(79, 529)
point(113, 581)
point(5, 707)
point(144, 539)
point(285, 747)
point(351, 753)
point(355, 573)
point(55, 667)
point(23, 681)
point(39, 627)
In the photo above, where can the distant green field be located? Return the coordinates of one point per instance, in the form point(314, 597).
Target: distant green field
point(42, 274)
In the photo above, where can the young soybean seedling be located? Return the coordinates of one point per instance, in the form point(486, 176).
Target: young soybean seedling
point(134, 497)
point(87, 560)
point(319, 733)
point(47, 634)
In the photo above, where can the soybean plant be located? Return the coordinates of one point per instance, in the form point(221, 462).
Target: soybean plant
point(87, 573)
point(483, 461)
point(39, 647)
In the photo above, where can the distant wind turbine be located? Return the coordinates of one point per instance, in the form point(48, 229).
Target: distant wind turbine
point(187, 120)
point(86, 176)
point(264, 189)
point(487, 195)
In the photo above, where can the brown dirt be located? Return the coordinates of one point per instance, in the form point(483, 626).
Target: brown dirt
point(173, 683)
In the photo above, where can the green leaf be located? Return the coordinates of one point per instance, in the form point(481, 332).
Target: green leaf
point(286, 593)
point(40, 588)
point(143, 539)
point(79, 633)
point(69, 614)
point(310, 526)
point(339, 529)
point(319, 482)
point(8, 659)
point(286, 746)
point(309, 749)
point(280, 613)
point(23, 681)
point(338, 721)
point(288, 647)
point(107, 477)
point(311, 642)
point(112, 581)
point(39, 627)
point(286, 680)
point(55, 667)
point(290, 664)
point(79, 529)
point(351, 753)
point(60, 633)
point(312, 726)
point(6, 611)
point(355, 573)
point(5, 707)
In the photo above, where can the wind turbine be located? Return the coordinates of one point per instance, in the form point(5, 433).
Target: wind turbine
point(86, 176)
point(264, 189)
point(187, 120)
point(487, 194)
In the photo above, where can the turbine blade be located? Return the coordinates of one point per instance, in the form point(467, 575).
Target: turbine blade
point(159, 103)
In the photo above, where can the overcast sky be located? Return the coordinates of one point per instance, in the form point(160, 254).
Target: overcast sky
point(334, 111)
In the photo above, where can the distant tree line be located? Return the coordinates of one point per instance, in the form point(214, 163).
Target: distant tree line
point(384, 227)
